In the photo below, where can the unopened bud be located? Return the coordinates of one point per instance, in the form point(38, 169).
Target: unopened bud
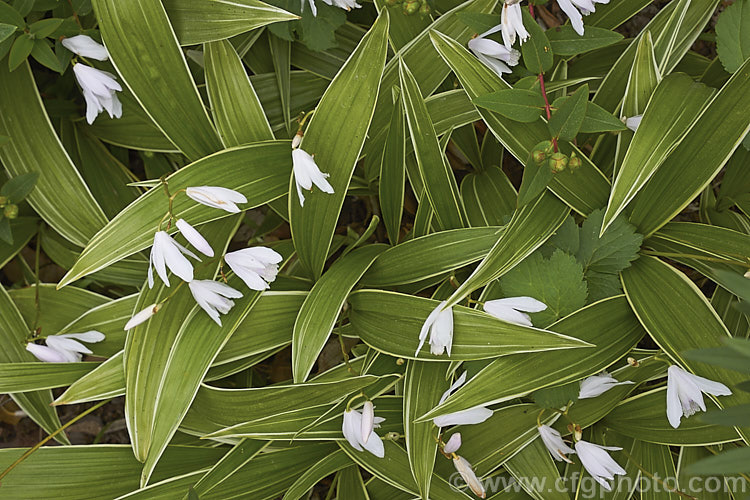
point(297, 140)
point(633, 362)
point(400, 361)
point(574, 163)
point(410, 7)
point(142, 316)
point(557, 162)
point(453, 444)
point(747, 274)
point(538, 156)
point(10, 211)
point(424, 9)
point(577, 432)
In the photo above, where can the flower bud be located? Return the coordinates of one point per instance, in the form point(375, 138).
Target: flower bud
point(410, 7)
point(424, 9)
point(557, 162)
point(10, 211)
point(538, 156)
point(297, 140)
point(574, 163)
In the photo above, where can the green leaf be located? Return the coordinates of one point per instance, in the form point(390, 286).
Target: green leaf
point(199, 21)
point(6, 30)
point(534, 461)
point(610, 324)
point(19, 187)
point(437, 177)
point(566, 42)
point(489, 197)
point(6, 233)
point(557, 281)
point(393, 174)
point(235, 106)
point(736, 461)
point(131, 31)
point(567, 119)
point(643, 79)
point(536, 177)
point(732, 416)
point(25, 377)
point(611, 252)
point(517, 104)
point(10, 15)
point(45, 27)
point(351, 485)
point(61, 197)
point(733, 35)
point(21, 229)
point(557, 396)
point(424, 383)
point(317, 472)
point(598, 119)
point(390, 322)
point(259, 171)
point(321, 308)
point(529, 228)
point(673, 109)
point(478, 21)
point(678, 317)
point(19, 51)
point(236, 458)
point(537, 50)
point(358, 83)
point(698, 158)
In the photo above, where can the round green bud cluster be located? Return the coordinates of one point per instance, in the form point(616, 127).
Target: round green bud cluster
point(557, 162)
point(10, 211)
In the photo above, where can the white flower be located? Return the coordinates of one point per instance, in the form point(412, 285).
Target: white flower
point(475, 415)
point(453, 444)
point(633, 122)
point(307, 173)
point(598, 463)
point(195, 238)
point(368, 421)
point(467, 473)
point(166, 252)
point(684, 396)
point(344, 4)
point(495, 56)
point(312, 7)
point(64, 348)
point(99, 89)
point(554, 443)
point(213, 297)
point(85, 46)
point(509, 309)
point(512, 22)
point(439, 324)
point(217, 197)
point(353, 429)
point(256, 266)
point(142, 316)
point(595, 385)
point(571, 7)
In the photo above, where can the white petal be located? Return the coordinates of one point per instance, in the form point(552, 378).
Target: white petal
point(161, 239)
point(375, 445)
point(633, 122)
point(85, 46)
point(368, 421)
point(351, 428)
point(575, 17)
point(475, 415)
point(46, 354)
point(61, 343)
point(453, 444)
point(194, 238)
point(674, 407)
point(172, 256)
point(596, 385)
point(431, 318)
point(507, 314)
point(217, 197)
point(467, 473)
point(303, 164)
point(527, 304)
point(90, 336)
point(710, 386)
point(141, 317)
point(555, 444)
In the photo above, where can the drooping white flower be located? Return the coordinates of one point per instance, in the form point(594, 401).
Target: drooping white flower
point(453, 444)
point(554, 443)
point(213, 297)
point(307, 173)
point(467, 473)
point(85, 46)
point(64, 348)
point(344, 4)
point(512, 22)
point(142, 316)
point(571, 9)
point(166, 252)
point(595, 385)
point(598, 463)
point(256, 266)
point(495, 56)
point(99, 90)
point(475, 415)
point(508, 309)
point(368, 420)
point(684, 396)
point(439, 324)
point(633, 122)
point(195, 238)
point(217, 197)
point(353, 428)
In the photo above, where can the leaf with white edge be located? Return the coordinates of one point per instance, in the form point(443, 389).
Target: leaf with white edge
point(234, 460)
point(321, 308)
point(390, 322)
point(610, 324)
point(557, 281)
point(357, 83)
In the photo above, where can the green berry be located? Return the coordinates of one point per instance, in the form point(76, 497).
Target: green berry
point(424, 9)
point(574, 163)
point(10, 211)
point(538, 156)
point(410, 7)
point(558, 162)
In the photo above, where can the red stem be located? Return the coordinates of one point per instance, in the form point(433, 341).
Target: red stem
point(531, 9)
point(546, 104)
